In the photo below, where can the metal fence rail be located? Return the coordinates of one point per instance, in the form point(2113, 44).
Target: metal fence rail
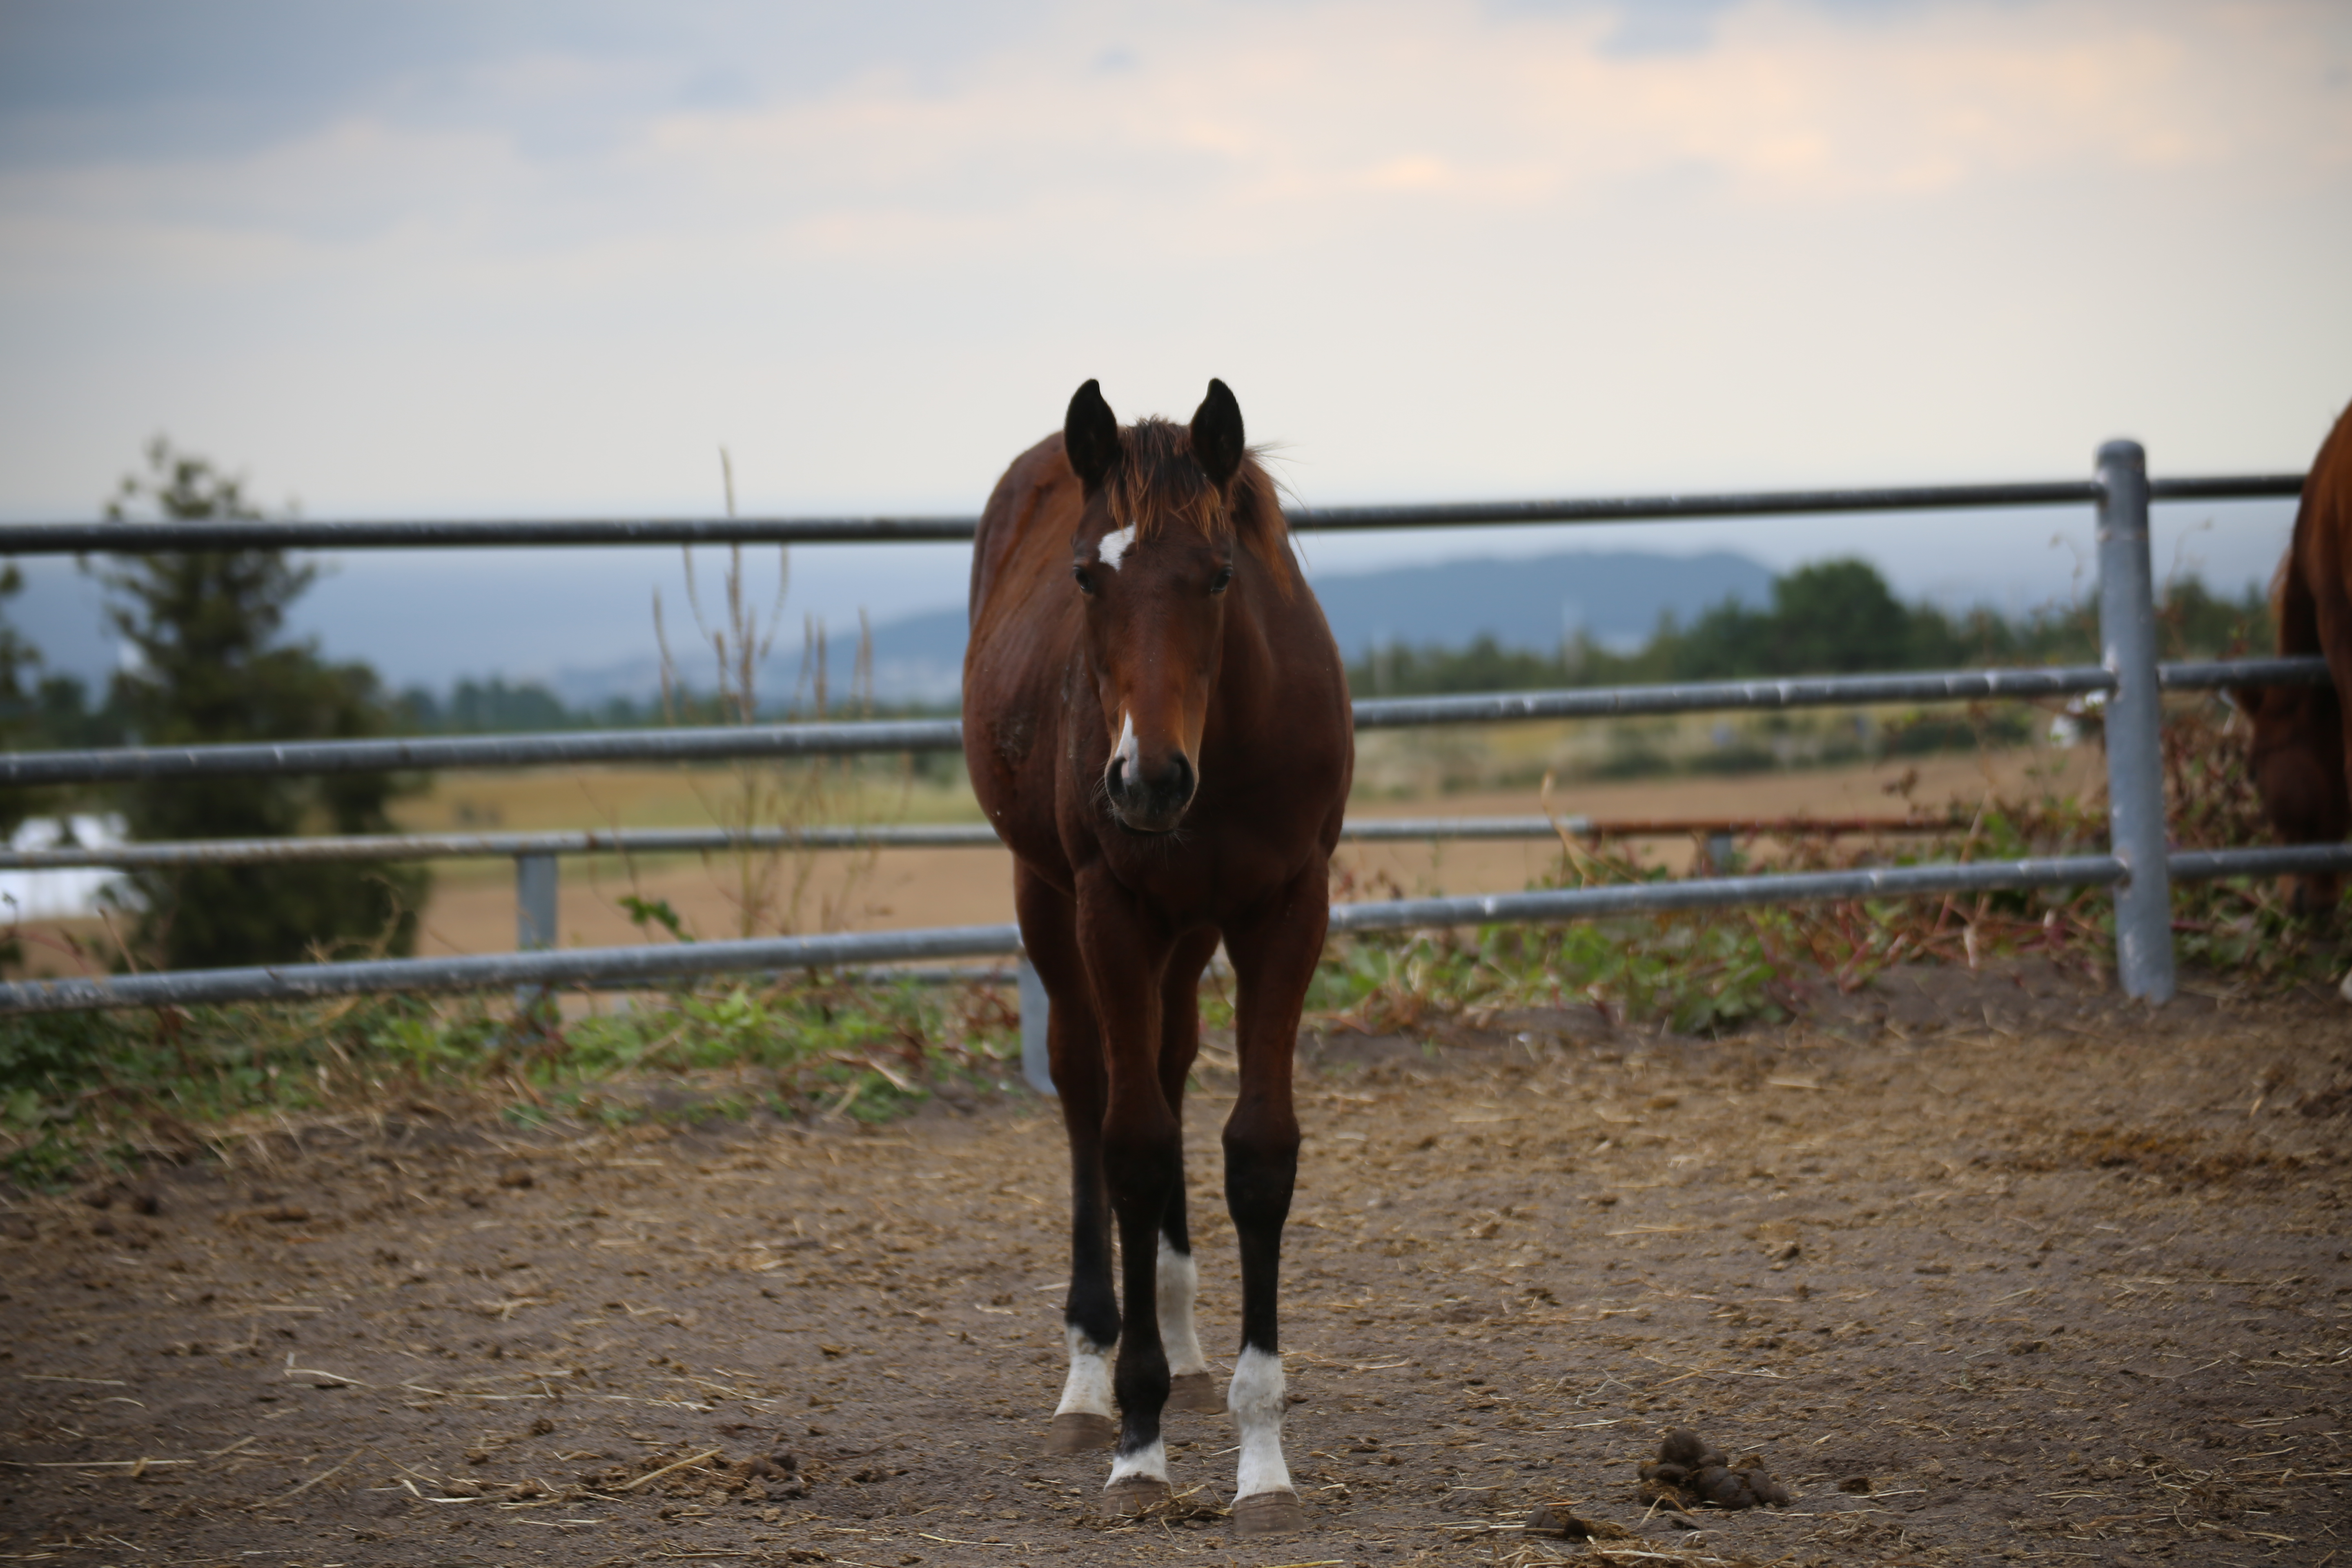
point(122, 764)
point(388, 847)
point(240, 533)
point(492, 971)
point(2127, 676)
point(612, 967)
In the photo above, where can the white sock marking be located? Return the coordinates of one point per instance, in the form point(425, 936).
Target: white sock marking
point(1151, 1460)
point(1180, 1279)
point(1257, 1399)
point(1116, 545)
point(1087, 1388)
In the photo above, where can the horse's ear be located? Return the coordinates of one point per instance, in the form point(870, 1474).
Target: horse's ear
point(1090, 436)
point(1217, 435)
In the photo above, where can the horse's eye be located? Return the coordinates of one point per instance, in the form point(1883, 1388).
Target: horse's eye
point(1086, 583)
point(1221, 581)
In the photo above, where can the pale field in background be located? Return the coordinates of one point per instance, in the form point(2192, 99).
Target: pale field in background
point(472, 906)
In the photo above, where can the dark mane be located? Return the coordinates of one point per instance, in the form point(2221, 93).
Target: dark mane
point(1157, 480)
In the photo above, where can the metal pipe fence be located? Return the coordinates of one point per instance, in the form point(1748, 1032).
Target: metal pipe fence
point(246, 533)
point(2128, 678)
point(650, 841)
point(724, 743)
point(647, 966)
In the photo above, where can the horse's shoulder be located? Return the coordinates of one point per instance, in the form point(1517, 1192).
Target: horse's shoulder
point(2327, 490)
point(2317, 559)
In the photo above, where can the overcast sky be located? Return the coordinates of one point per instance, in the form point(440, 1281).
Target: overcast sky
point(450, 260)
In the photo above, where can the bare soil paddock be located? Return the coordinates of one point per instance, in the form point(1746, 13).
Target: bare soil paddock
point(1985, 1268)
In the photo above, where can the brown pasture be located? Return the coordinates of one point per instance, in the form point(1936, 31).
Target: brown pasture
point(472, 908)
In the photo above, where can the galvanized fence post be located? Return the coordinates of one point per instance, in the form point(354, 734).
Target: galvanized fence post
point(534, 902)
point(534, 916)
point(2135, 826)
point(1037, 1062)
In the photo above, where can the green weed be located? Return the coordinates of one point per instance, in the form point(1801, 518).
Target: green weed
point(74, 1085)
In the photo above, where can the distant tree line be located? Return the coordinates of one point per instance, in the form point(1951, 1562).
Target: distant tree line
point(1832, 618)
point(493, 707)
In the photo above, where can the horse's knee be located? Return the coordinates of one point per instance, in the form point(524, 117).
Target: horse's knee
point(1145, 1170)
point(1261, 1170)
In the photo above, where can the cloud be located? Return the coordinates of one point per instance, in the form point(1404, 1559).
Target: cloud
point(549, 262)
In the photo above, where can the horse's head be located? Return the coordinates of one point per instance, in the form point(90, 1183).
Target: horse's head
point(1153, 556)
point(2296, 757)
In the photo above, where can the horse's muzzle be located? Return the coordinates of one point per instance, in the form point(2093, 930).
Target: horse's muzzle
point(1151, 803)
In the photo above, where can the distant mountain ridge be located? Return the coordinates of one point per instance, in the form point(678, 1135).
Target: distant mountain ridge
point(1614, 596)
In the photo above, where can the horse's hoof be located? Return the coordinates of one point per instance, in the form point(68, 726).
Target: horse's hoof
point(1268, 1513)
point(1194, 1391)
point(1134, 1494)
point(1080, 1432)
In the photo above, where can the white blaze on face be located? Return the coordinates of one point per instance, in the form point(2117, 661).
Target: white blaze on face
point(1256, 1399)
point(1127, 752)
point(1115, 546)
point(1087, 1388)
point(1180, 1278)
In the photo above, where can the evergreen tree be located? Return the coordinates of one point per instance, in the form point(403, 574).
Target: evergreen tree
point(209, 665)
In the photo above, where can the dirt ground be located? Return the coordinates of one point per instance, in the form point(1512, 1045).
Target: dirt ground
point(1983, 1268)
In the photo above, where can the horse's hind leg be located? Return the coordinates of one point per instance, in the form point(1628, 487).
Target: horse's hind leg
point(1083, 1420)
point(1189, 1385)
point(1274, 959)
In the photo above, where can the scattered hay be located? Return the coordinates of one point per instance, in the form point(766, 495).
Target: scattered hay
point(1561, 1521)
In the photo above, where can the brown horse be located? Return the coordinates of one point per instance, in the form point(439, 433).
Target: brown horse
point(2297, 757)
point(1156, 720)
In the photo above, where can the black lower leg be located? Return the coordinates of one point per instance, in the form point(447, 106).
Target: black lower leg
point(1258, 1186)
point(1174, 1225)
point(1092, 1306)
point(1141, 1378)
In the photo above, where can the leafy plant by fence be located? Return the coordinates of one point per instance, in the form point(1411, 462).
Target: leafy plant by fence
point(1707, 972)
point(79, 1090)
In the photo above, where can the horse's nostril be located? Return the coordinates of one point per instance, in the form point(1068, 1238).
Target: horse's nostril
point(1116, 779)
point(1180, 778)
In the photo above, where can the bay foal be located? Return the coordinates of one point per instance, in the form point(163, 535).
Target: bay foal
point(1156, 721)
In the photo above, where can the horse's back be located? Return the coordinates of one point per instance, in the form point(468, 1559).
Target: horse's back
point(1037, 487)
point(2311, 600)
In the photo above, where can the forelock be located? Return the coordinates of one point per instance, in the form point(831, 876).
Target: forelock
point(1157, 481)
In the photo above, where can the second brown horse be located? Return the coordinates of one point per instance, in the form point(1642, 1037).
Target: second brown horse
point(2298, 755)
point(1156, 721)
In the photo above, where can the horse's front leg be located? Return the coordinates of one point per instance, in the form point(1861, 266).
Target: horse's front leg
point(1273, 954)
point(1126, 954)
point(1082, 1420)
point(1189, 1385)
